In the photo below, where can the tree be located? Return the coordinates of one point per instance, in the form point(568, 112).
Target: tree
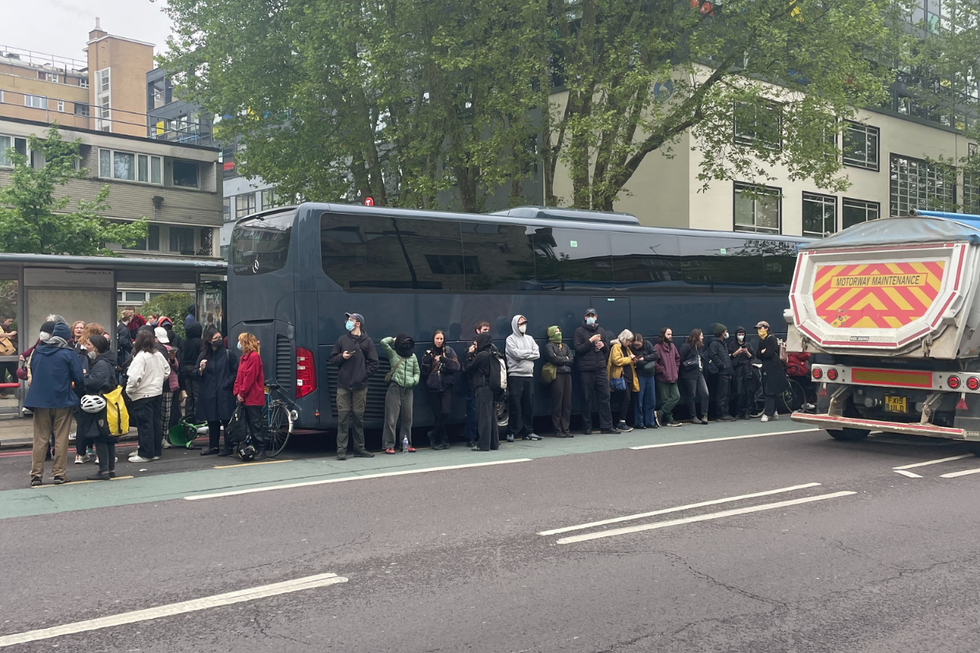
point(34, 221)
point(172, 304)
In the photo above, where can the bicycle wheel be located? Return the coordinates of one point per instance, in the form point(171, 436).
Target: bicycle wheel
point(279, 427)
point(758, 407)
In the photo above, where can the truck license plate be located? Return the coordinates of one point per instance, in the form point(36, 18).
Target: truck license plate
point(896, 405)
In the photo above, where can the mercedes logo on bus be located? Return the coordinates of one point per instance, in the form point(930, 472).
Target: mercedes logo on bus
point(255, 266)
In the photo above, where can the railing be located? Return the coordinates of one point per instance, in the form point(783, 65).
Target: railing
point(41, 61)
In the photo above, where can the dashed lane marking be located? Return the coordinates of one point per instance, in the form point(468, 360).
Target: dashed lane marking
point(909, 474)
point(934, 462)
point(699, 518)
point(965, 472)
point(241, 596)
point(664, 511)
point(734, 437)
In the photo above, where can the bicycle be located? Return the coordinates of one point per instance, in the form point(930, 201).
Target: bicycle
point(280, 415)
point(790, 400)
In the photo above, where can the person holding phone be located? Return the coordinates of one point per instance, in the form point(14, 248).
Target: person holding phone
point(741, 353)
point(217, 368)
point(356, 356)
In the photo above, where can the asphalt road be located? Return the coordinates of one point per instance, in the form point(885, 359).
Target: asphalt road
point(452, 559)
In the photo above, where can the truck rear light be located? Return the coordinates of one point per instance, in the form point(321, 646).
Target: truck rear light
point(305, 372)
point(953, 382)
point(817, 373)
point(832, 374)
point(973, 383)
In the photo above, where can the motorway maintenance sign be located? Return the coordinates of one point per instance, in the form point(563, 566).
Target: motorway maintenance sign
point(885, 295)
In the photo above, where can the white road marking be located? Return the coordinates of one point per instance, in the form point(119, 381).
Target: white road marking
point(665, 511)
point(909, 474)
point(965, 472)
point(251, 594)
point(734, 437)
point(698, 518)
point(215, 495)
point(934, 462)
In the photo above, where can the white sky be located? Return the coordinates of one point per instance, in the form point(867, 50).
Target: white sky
point(61, 27)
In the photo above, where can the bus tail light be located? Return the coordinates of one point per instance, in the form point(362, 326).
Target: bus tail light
point(305, 372)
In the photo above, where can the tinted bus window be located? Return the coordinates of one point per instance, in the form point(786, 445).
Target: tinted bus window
point(709, 261)
point(645, 261)
point(497, 256)
point(261, 245)
point(384, 252)
point(572, 259)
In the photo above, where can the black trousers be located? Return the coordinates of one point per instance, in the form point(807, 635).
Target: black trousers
point(723, 385)
point(622, 400)
point(770, 408)
point(595, 392)
point(695, 396)
point(486, 420)
point(561, 403)
point(149, 426)
point(256, 425)
point(191, 386)
point(105, 448)
point(520, 393)
point(214, 435)
point(441, 404)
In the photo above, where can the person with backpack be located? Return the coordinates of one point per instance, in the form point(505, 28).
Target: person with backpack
point(666, 371)
point(645, 362)
point(354, 353)
point(439, 367)
point(621, 371)
point(561, 356)
point(522, 351)
point(773, 370)
point(471, 421)
point(92, 426)
point(481, 366)
point(400, 397)
point(719, 365)
point(217, 369)
point(591, 348)
point(691, 377)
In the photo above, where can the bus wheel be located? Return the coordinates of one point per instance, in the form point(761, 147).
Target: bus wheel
point(973, 447)
point(502, 413)
point(849, 435)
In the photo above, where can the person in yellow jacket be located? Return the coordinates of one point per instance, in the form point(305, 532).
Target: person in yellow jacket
point(622, 376)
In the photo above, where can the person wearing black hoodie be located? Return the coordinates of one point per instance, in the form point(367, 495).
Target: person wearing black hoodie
point(356, 356)
point(719, 365)
point(741, 353)
point(190, 381)
point(92, 427)
point(439, 367)
point(591, 349)
point(477, 368)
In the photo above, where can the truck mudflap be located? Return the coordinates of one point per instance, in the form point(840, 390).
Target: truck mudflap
point(834, 422)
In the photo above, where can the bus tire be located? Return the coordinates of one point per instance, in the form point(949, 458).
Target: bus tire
point(973, 447)
point(502, 413)
point(849, 435)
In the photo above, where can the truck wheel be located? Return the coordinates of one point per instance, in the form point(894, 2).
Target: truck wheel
point(849, 435)
point(973, 447)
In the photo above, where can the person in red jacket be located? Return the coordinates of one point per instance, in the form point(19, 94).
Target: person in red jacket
point(250, 390)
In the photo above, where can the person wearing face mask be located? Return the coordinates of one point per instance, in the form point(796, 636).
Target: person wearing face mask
point(250, 391)
point(521, 352)
point(84, 451)
point(591, 349)
point(719, 365)
point(217, 368)
point(471, 416)
point(400, 396)
point(354, 353)
point(478, 368)
point(439, 367)
point(561, 356)
point(645, 404)
point(666, 370)
point(741, 353)
point(773, 373)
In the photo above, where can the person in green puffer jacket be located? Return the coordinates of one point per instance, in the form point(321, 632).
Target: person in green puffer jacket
point(403, 377)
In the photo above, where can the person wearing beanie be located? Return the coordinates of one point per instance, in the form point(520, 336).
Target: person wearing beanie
point(53, 369)
point(354, 353)
point(399, 399)
point(719, 367)
point(561, 356)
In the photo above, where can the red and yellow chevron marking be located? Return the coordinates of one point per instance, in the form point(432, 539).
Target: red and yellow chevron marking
point(876, 295)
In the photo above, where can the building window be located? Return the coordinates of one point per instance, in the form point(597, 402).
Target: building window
point(858, 211)
point(52, 77)
point(152, 241)
point(130, 167)
point(81, 109)
point(917, 184)
point(61, 106)
point(182, 240)
point(83, 82)
point(819, 215)
point(207, 242)
point(102, 79)
point(757, 208)
point(35, 101)
point(19, 145)
point(245, 205)
point(269, 199)
point(861, 146)
point(226, 213)
point(758, 124)
point(185, 174)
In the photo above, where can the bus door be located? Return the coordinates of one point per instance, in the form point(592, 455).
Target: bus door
point(614, 313)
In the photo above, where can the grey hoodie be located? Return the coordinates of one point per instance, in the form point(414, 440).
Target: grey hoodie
point(521, 351)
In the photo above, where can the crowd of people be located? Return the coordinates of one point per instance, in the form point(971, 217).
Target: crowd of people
point(627, 380)
point(161, 377)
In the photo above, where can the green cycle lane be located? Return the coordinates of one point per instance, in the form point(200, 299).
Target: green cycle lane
point(230, 477)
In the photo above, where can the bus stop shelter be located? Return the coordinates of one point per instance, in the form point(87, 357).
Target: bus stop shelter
point(33, 286)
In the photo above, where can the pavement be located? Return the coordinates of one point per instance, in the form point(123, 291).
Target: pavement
point(18, 433)
point(730, 537)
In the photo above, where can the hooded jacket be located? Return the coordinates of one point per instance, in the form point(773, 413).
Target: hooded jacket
point(446, 368)
point(356, 370)
point(741, 361)
point(477, 365)
point(589, 358)
point(667, 367)
point(54, 367)
point(216, 391)
point(647, 357)
point(100, 379)
point(191, 317)
point(124, 340)
point(717, 356)
point(146, 375)
point(558, 353)
point(521, 350)
point(190, 353)
point(407, 374)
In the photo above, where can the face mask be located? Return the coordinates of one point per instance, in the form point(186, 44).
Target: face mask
point(350, 325)
point(92, 355)
point(239, 346)
point(725, 336)
point(741, 337)
point(522, 328)
point(762, 333)
point(217, 344)
point(44, 336)
point(590, 321)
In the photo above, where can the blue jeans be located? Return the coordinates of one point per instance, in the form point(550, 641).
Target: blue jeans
point(646, 401)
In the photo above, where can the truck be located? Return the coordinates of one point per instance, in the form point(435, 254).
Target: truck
point(890, 311)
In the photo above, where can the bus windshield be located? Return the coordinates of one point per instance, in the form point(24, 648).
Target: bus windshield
point(261, 245)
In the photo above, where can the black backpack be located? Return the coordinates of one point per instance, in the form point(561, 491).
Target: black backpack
point(498, 376)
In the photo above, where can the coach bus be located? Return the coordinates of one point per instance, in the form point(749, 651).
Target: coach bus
point(295, 271)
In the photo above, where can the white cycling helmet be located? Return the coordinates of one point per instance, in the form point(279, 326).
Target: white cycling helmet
point(93, 403)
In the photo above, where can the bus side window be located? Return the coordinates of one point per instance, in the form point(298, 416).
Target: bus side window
point(646, 262)
point(572, 259)
point(499, 256)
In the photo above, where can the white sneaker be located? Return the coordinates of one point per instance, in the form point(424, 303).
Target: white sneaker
point(765, 418)
point(138, 459)
point(72, 436)
point(155, 458)
point(166, 444)
point(775, 416)
point(79, 460)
